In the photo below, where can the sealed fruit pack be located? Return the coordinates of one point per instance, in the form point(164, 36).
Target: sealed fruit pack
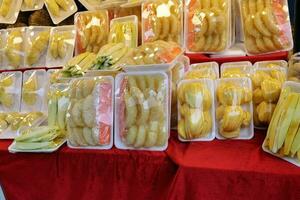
point(271, 64)
point(234, 108)
point(9, 11)
point(236, 69)
point(266, 26)
point(10, 91)
point(294, 68)
point(31, 5)
point(59, 10)
point(283, 136)
point(196, 113)
point(91, 4)
point(90, 113)
point(208, 26)
point(92, 28)
point(142, 111)
point(208, 70)
point(162, 20)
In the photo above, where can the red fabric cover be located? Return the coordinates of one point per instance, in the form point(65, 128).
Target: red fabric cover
point(204, 170)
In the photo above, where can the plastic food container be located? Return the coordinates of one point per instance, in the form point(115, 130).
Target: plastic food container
point(208, 70)
point(283, 135)
point(162, 20)
point(266, 26)
point(59, 10)
point(91, 4)
point(294, 68)
point(208, 26)
point(31, 5)
point(234, 109)
point(271, 64)
point(90, 114)
point(9, 11)
point(10, 91)
point(236, 69)
point(36, 45)
point(92, 28)
point(125, 30)
point(196, 111)
point(142, 111)
point(61, 46)
point(34, 91)
point(267, 84)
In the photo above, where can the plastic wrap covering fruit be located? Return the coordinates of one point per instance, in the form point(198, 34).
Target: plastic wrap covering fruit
point(294, 68)
point(142, 116)
point(236, 70)
point(162, 20)
point(208, 25)
point(267, 84)
point(208, 70)
point(92, 28)
point(271, 64)
point(90, 114)
point(34, 91)
point(283, 136)
point(9, 11)
point(31, 5)
point(59, 10)
point(36, 46)
point(10, 91)
point(37, 139)
point(124, 30)
point(61, 46)
point(234, 108)
point(266, 26)
point(58, 102)
point(196, 110)
point(90, 4)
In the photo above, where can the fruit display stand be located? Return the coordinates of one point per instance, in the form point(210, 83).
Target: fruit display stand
point(203, 170)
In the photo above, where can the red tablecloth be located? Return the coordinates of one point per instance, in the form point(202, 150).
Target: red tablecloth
point(205, 170)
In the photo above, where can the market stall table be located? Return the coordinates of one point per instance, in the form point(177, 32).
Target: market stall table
point(206, 170)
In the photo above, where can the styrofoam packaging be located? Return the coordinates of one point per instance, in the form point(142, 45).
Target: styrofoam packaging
point(185, 60)
point(61, 46)
point(141, 100)
point(267, 27)
point(195, 110)
point(92, 28)
point(59, 13)
point(271, 64)
point(236, 69)
point(34, 91)
point(247, 132)
point(294, 68)
point(207, 29)
point(31, 5)
point(295, 88)
point(10, 85)
point(90, 113)
point(267, 84)
point(9, 11)
point(91, 4)
point(36, 44)
point(203, 70)
point(129, 29)
point(162, 21)
point(14, 48)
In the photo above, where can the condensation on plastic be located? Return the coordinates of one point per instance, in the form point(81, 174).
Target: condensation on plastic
point(162, 20)
point(90, 114)
point(36, 5)
point(294, 68)
point(271, 64)
point(236, 69)
point(14, 48)
point(62, 38)
point(36, 45)
point(208, 70)
point(295, 88)
point(208, 26)
point(62, 14)
point(35, 98)
point(196, 110)
point(92, 28)
point(9, 11)
point(142, 111)
point(267, 84)
point(125, 30)
point(10, 86)
point(266, 27)
point(237, 99)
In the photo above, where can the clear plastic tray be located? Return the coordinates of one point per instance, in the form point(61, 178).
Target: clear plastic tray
point(12, 9)
point(271, 63)
point(154, 107)
point(236, 69)
point(209, 68)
